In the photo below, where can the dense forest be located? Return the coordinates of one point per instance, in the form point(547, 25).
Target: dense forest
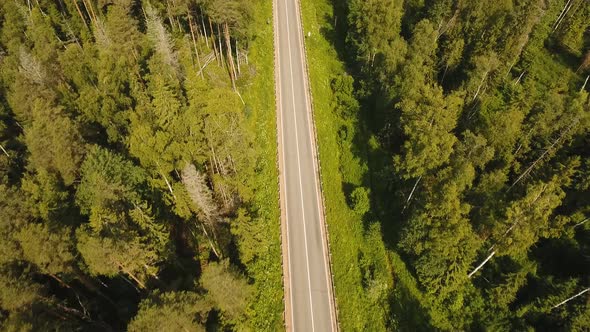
point(474, 117)
point(130, 167)
point(137, 164)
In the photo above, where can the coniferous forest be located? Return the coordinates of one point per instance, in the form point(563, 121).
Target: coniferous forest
point(476, 117)
point(130, 168)
point(137, 182)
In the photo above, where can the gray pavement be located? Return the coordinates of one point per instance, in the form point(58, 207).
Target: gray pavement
point(309, 302)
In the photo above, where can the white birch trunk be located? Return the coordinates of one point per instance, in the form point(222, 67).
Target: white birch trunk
point(570, 298)
point(482, 264)
point(585, 82)
point(3, 150)
point(412, 192)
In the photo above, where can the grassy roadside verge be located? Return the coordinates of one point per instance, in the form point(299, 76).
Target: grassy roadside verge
point(259, 244)
point(360, 264)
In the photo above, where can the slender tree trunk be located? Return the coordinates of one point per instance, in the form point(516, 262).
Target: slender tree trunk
point(190, 23)
point(87, 11)
point(89, 284)
point(219, 46)
point(141, 284)
point(482, 264)
point(3, 150)
point(169, 13)
point(561, 14)
point(480, 85)
point(549, 149)
point(238, 58)
point(585, 82)
point(72, 311)
point(210, 241)
point(230, 58)
point(412, 192)
point(124, 277)
point(205, 31)
point(444, 74)
point(90, 11)
point(80, 12)
point(61, 282)
point(167, 183)
point(519, 77)
point(581, 222)
point(213, 42)
point(565, 14)
point(570, 298)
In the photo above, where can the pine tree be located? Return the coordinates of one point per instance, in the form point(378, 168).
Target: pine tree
point(173, 311)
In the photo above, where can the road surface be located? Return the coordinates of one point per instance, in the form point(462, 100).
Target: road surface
point(309, 304)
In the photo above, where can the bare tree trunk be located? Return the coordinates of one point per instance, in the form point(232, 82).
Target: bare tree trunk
point(169, 13)
point(213, 42)
point(190, 23)
point(412, 192)
point(549, 149)
point(89, 284)
point(519, 77)
point(238, 57)
point(581, 222)
point(124, 277)
point(570, 298)
point(482, 264)
point(91, 12)
point(585, 82)
point(561, 14)
point(215, 163)
point(444, 74)
point(168, 184)
point(205, 31)
point(80, 12)
point(141, 284)
point(230, 57)
point(210, 241)
point(565, 14)
point(480, 85)
point(3, 150)
point(61, 282)
point(219, 46)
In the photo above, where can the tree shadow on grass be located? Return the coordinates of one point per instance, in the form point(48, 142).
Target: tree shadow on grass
point(372, 146)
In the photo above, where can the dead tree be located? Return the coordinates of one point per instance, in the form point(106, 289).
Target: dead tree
point(202, 197)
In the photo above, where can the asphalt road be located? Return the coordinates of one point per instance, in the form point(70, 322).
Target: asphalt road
point(309, 304)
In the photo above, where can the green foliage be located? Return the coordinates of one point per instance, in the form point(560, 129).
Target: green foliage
point(54, 142)
point(479, 106)
point(47, 197)
point(173, 311)
point(227, 291)
point(49, 251)
point(17, 293)
point(102, 105)
point(111, 256)
point(360, 202)
point(359, 260)
point(373, 33)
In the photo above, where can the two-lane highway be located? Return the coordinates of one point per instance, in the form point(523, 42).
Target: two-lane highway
point(309, 302)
